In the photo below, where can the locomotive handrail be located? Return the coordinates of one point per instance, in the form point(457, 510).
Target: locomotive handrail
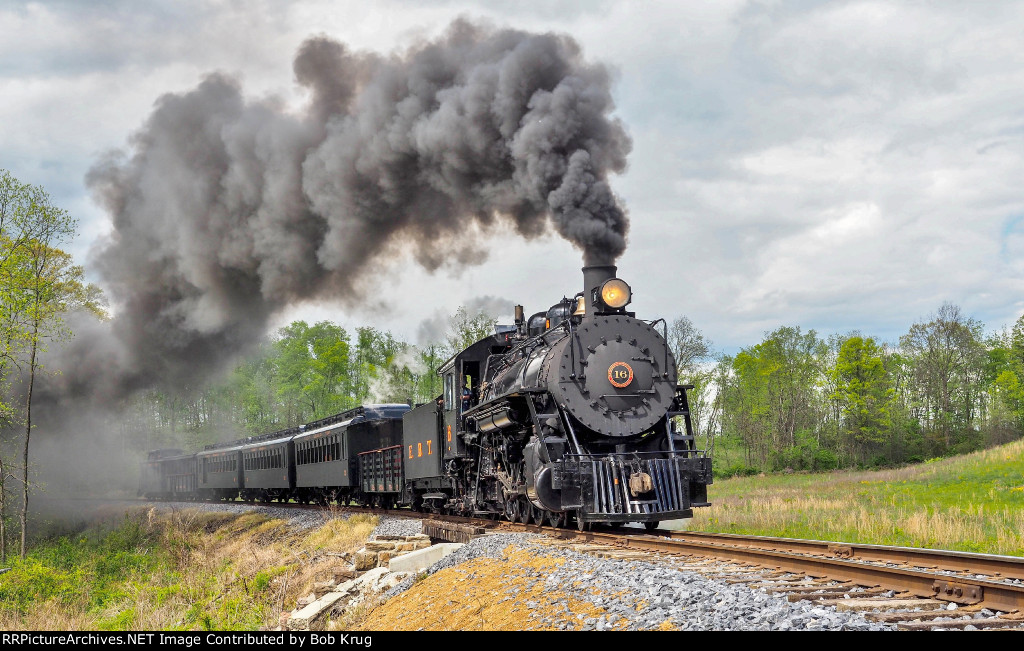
point(572, 376)
point(628, 395)
point(664, 329)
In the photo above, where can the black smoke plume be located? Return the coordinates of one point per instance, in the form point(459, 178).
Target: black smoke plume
point(227, 209)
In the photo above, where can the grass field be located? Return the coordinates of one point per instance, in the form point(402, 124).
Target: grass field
point(970, 503)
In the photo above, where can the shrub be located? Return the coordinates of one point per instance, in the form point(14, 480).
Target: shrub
point(735, 470)
point(824, 460)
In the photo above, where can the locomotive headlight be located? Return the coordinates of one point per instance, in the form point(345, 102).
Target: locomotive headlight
point(615, 293)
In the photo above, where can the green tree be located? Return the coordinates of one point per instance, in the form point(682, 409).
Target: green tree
point(864, 393)
point(13, 232)
point(313, 371)
point(38, 284)
point(427, 382)
point(1004, 377)
point(252, 391)
point(772, 398)
point(947, 359)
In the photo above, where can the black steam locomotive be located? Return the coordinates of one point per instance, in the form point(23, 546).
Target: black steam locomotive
point(568, 415)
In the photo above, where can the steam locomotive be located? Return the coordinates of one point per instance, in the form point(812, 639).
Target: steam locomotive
point(574, 414)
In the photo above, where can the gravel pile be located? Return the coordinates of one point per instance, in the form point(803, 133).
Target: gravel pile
point(484, 547)
point(389, 525)
point(647, 595)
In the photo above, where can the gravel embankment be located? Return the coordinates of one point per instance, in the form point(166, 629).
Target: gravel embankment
point(646, 595)
point(635, 595)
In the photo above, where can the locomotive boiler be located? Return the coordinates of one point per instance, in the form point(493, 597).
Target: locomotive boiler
point(572, 414)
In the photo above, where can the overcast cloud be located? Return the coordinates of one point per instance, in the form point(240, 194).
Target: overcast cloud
point(837, 165)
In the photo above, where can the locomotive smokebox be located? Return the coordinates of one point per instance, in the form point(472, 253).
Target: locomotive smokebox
point(593, 277)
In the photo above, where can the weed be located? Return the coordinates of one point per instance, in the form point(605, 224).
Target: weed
point(182, 570)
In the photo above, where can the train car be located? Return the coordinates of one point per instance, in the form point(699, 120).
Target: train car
point(426, 484)
point(268, 467)
point(219, 471)
point(375, 437)
point(168, 474)
point(327, 451)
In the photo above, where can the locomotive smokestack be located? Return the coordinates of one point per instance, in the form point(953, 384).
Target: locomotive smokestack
point(593, 277)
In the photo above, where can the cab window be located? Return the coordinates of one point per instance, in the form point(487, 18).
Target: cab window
point(449, 391)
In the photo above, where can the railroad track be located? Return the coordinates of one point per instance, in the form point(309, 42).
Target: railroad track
point(917, 589)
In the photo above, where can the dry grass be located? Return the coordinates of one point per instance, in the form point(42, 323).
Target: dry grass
point(201, 571)
point(970, 503)
point(335, 533)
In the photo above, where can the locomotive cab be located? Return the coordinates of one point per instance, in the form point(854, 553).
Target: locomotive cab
point(462, 379)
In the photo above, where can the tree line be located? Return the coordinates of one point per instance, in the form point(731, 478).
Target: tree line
point(798, 401)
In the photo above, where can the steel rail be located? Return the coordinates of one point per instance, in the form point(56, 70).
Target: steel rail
point(1009, 567)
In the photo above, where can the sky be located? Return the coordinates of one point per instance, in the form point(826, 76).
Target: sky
point(835, 166)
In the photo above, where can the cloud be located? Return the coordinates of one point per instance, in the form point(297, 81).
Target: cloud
point(754, 126)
